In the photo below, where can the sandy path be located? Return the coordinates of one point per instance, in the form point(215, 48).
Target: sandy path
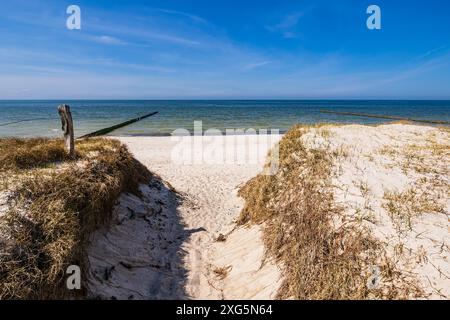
point(207, 206)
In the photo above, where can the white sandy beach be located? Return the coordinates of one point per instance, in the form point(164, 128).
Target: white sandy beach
point(170, 251)
point(207, 206)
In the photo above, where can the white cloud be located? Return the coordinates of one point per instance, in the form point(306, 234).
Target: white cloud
point(289, 21)
point(185, 14)
point(108, 40)
point(287, 24)
point(255, 65)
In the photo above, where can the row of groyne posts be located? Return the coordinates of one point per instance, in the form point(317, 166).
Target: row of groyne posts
point(69, 133)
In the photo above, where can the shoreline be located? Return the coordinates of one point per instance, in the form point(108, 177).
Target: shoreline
point(278, 114)
point(236, 131)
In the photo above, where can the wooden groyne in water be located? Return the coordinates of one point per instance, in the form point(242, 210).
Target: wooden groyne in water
point(385, 117)
point(104, 131)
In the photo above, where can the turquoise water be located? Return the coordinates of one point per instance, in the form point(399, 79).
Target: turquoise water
point(89, 116)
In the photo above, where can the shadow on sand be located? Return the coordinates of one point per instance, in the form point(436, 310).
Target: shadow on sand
point(140, 254)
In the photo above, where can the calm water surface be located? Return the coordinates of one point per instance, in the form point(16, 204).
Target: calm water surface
point(89, 116)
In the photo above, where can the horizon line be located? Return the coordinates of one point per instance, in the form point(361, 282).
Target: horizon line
point(235, 99)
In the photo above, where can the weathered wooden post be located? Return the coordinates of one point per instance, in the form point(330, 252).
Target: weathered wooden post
point(67, 128)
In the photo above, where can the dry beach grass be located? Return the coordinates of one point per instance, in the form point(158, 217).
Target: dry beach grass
point(322, 219)
point(50, 213)
point(297, 208)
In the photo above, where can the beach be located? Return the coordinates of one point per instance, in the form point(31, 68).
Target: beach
point(208, 207)
point(321, 212)
point(375, 179)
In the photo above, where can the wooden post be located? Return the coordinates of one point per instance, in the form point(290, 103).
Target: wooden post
point(67, 128)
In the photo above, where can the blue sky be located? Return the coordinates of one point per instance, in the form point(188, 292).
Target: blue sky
point(225, 50)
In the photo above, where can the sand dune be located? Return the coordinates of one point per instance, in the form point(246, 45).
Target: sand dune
point(194, 249)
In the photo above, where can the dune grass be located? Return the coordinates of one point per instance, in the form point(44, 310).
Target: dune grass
point(404, 206)
point(30, 153)
point(427, 160)
point(323, 256)
point(51, 213)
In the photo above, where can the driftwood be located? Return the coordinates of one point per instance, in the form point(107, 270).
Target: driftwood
point(385, 117)
point(67, 128)
point(117, 126)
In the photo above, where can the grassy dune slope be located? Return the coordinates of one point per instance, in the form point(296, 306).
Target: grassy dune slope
point(51, 205)
point(325, 246)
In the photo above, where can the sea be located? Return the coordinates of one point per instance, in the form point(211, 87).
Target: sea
point(39, 118)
